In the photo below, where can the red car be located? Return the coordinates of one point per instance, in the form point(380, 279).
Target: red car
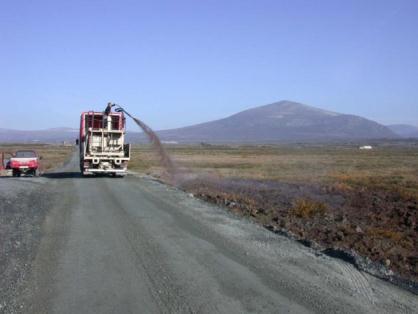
point(24, 162)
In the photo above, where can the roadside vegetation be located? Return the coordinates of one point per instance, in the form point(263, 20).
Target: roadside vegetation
point(336, 197)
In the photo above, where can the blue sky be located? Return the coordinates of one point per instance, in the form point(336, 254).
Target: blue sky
point(175, 63)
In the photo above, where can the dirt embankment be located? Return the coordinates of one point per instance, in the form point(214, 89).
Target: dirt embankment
point(377, 230)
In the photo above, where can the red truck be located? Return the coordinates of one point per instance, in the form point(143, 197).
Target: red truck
point(24, 162)
point(102, 143)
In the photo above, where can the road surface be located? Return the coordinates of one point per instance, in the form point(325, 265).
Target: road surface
point(134, 245)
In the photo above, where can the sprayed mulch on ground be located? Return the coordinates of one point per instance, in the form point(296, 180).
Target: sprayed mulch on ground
point(378, 225)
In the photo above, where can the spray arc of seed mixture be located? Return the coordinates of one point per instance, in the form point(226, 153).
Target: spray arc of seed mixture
point(165, 159)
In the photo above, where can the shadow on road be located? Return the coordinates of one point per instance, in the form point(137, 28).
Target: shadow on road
point(72, 175)
point(62, 175)
point(21, 177)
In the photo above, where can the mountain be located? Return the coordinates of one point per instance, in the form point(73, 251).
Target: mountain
point(284, 121)
point(404, 130)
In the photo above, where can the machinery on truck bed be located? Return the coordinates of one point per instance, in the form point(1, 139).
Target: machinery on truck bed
point(102, 143)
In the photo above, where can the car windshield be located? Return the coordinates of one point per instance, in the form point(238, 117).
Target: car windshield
point(25, 154)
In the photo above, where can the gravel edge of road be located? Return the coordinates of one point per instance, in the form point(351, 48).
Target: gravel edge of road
point(360, 262)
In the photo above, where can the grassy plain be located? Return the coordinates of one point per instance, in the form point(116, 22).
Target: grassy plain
point(385, 167)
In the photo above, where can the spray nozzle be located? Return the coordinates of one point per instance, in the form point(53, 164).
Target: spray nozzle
point(120, 109)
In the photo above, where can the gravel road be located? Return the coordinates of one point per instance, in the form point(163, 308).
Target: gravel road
point(134, 245)
point(23, 206)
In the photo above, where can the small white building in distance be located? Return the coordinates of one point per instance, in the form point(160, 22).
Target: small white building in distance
point(366, 147)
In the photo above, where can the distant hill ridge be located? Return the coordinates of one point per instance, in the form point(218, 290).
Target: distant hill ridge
point(283, 121)
point(55, 135)
point(404, 130)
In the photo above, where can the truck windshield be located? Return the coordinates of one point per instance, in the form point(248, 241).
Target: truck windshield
point(25, 154)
